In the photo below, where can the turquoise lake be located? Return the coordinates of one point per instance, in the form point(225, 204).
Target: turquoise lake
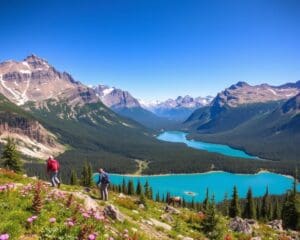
point(194, 186)
point(180, 137)
point(218, 183)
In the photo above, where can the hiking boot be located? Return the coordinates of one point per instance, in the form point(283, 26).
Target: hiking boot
point(58, 185)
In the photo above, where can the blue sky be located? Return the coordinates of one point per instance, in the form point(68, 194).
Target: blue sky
point(158, 48)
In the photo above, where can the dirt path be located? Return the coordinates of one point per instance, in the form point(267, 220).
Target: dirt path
point(89, 203)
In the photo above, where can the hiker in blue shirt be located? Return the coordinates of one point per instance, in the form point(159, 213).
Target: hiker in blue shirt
point(103, 183)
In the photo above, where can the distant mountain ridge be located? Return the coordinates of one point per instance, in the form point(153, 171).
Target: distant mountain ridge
point(177, 109)
point(123, 103)
point(263, 119)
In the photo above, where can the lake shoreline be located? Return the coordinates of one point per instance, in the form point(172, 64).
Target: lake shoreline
point(239, 153)
point(200, 173)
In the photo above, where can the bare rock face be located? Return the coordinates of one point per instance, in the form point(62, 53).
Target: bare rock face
point(34, 79)
point(114, 213)
point(243, 93)
point(116, 98)
point(238, 224)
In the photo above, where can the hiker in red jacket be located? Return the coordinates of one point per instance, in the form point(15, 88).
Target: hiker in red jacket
point(52, 170)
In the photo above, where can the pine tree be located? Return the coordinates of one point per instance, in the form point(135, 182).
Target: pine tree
point(143, 199)
point(87, 175)
point(168, 197)
point(150, 193)
point(234, 208)
point(225, 210)
point(147, 189)
point(276, 210)
point(73, 179)
point(11, 157)
point(206, 200)
point(249, 211)
point(211, 223)
point(265, 207)
point(291, 208)
point(157, 197)
point(130, 187)
point(138, 188)
point(124, 187)
point(258, 208)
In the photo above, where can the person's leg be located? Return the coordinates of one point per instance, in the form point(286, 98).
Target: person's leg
point(56, 179)
point(52, 176)
point(102, 191)
point(106, 192)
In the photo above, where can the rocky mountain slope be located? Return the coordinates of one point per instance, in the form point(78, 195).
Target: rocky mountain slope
point(32, 138)
point(177, 109)
point(123, 103)
point(239, 103)
point(33, 79)
point(269, 128)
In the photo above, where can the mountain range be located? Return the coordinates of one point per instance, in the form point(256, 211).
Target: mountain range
point(48, 112)
point(261, 119)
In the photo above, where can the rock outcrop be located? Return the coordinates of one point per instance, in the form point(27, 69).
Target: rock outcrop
point(114, 213)
point(238, 224)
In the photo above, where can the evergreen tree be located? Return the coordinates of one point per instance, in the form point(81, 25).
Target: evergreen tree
point(168, 197)
point(73, 179)
point(150, 193)
point(249, 211)
point(211, 223)
point(89, 179)
point(224, 206)
point(147, 190)
point(124, 186)
point(291, 208)
point(157, 197)
point(276, 210)
point(258, 214)
point(234, 208)
point(130, 187)
point(206, 200)
point(86, 175)
point(265, 207)
point(138, 188)
point(163, 198)
point(143, 199)
point(11, 157)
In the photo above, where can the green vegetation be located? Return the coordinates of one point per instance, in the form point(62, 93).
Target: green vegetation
point(32, 210)
point(10, 156)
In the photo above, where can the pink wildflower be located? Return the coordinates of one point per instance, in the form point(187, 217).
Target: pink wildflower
point(92, 237)
point(52, 220)
point(4, 236)
point(85, 215)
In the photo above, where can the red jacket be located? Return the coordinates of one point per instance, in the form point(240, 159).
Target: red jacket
point(52, 165)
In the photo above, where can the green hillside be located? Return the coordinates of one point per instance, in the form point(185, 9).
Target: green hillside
point(147, 118)
point(274, 135)
point(98, 135)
